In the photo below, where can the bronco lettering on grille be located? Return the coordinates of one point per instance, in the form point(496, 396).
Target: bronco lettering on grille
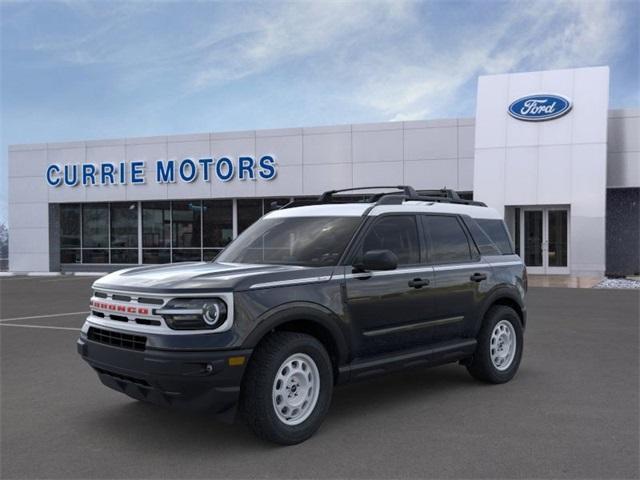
point(110, 307)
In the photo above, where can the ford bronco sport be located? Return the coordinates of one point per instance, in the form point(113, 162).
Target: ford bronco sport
point(310, 297)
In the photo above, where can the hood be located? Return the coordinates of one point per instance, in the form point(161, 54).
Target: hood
point(197, 277)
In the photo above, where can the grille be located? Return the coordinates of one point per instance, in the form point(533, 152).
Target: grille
point(117, 339)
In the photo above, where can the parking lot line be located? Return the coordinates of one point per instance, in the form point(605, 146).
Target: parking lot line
point(14, 319)
point(38, 326)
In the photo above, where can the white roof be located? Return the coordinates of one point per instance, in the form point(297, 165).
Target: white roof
point(357, 209)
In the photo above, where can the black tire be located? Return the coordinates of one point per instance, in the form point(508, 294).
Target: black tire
point(481, 367)
point(256, 401)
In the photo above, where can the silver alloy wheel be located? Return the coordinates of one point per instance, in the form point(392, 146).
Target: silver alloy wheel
point(503, 345)
point(295, 389)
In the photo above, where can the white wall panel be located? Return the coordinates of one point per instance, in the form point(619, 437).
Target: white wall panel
point(624, 134)
point(431, 143)
point(623, 169)
point(29, 262)
point(431, 174)
point(319, 178)
point(377, 146)
point(493, 95)
point(590, 105)
point(521, 176)
point(286, 149)
point(554, 175)
point(327, 148)
point(378, 173)
point(27, 163)
point(28, 189)
point(287, 183)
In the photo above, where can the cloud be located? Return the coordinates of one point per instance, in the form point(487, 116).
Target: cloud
point(532, 36)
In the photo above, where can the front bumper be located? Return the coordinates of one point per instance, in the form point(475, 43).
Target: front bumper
point(191, 379)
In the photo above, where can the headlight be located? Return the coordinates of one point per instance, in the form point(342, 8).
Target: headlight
point(194, 313)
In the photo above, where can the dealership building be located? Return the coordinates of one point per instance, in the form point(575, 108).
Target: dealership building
point(544, 149)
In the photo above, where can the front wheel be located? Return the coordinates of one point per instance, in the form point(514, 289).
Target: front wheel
point(287, 388)
point(499, 349)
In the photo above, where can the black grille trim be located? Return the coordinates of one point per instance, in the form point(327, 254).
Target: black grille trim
point(126, 378)
point(151, 301)
point(117, 339)
point(121, 298)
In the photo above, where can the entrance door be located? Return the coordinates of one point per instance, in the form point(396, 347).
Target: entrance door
point(544, 242)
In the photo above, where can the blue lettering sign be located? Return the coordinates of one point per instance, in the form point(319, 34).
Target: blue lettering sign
point(222, 165)
point(165, 174)
point(137, 173)
point(188, 170)
point(51, 180)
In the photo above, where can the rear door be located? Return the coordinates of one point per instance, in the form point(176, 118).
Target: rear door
point(459, 274)
point(388, 310)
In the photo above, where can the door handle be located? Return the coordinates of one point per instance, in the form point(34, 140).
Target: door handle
point(478, 277)
point(418, 282)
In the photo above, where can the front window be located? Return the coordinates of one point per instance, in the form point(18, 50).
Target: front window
point(304, 241)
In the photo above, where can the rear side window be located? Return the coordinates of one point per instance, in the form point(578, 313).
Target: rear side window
point(496, 231)
point(396, 233)
point(484, 243)
point(446, 239)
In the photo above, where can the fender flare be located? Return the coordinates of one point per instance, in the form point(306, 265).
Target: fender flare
point(301, 311)
point(497, 294)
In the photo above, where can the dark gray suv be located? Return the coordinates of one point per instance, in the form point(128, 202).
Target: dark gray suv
point(312, 296)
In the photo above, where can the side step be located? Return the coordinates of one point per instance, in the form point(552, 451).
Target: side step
point(436, 354)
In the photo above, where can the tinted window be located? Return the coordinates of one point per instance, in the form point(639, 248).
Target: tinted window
point(396, 233)
point(497, 232)
point(446, 239)
point(484, 243)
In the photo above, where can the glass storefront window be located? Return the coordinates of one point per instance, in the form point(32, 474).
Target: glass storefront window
point(217, 223)
point(69, 226)
point(249, 210)
point(186, 224)
point(186, 255)
point(124, 225)
point(172, 231)
point(156, 255)
point(95, 225)
point(156, 224)
point(95, 255)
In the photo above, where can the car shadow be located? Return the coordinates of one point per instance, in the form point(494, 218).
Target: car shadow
point(187, 432)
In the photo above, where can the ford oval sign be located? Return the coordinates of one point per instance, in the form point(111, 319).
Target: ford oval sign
point(536, 108)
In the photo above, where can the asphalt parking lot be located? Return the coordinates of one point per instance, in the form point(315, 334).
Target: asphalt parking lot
point(571, 412)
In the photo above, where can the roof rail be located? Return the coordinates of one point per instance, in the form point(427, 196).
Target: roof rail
point(406, 189)
point(400, 194)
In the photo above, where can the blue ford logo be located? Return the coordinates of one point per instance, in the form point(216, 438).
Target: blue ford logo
point(536, 108)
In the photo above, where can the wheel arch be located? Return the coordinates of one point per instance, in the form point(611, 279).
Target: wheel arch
point(302, 317)
point(507, 298)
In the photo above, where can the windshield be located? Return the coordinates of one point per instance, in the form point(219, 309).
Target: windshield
point(304, 241)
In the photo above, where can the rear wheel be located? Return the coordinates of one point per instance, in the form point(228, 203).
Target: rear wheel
point(499, 349)
point(287, 388)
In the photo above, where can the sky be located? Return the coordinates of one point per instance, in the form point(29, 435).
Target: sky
point(74, 70)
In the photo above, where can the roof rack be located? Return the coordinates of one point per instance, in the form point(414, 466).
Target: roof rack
point(400, 194)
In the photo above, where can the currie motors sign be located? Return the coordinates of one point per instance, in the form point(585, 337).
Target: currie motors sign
point(537, 108)
point(188, 170)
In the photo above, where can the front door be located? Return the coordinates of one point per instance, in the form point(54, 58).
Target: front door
point(544, 241)
point(390, 310)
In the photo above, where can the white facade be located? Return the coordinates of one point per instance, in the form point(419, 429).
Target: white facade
point(567, 161)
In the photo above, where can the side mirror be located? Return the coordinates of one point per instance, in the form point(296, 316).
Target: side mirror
point(378, 260)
